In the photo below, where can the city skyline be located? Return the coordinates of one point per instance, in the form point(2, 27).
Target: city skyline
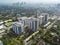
point(30, 1)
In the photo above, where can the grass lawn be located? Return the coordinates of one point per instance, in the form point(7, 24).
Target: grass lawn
point(58, 31)
point(8, 23)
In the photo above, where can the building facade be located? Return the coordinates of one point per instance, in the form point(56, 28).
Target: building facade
point(41, 20)
point(45, 15)
point(34, 24)
point(31, 22)
point(18, 28)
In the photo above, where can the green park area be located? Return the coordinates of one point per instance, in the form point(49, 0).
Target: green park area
point(8, 24)
point(10, 39)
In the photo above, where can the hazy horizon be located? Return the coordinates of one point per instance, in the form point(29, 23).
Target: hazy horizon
point(30, 1)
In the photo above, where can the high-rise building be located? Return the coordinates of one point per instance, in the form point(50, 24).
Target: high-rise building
point(31, 22)
point(41, 20)
point(23, 20)
point(46, 15)
point(18, 28)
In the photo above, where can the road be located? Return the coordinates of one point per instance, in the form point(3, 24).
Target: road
point(51, 24)
point(9, 27)
point(45, 30)
point(27, 41)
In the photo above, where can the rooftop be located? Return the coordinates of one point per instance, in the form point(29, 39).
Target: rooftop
point(23, 18)
point(1, 31)
point(18, 24)
point(3, 27)
point(40, 16)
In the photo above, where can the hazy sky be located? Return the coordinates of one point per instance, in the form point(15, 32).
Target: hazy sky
point(34, 1)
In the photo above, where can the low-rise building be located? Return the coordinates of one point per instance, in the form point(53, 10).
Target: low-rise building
point(1, 43)
point(3, 27)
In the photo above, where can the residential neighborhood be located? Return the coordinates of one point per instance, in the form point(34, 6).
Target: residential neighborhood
point(29, 22)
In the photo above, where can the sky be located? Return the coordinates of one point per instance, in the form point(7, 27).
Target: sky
point(32, 1)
